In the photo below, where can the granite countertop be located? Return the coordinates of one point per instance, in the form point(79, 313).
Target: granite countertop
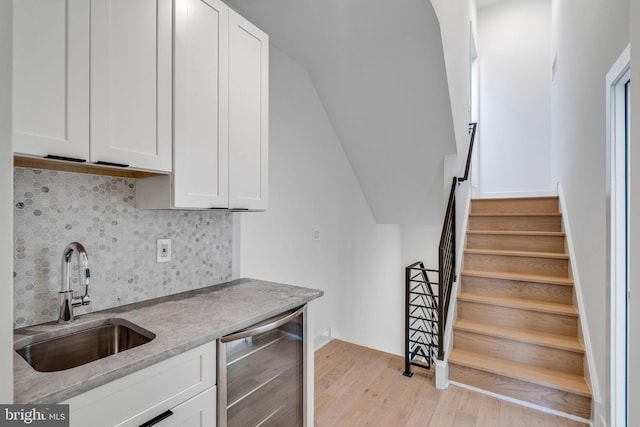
point(180, 322)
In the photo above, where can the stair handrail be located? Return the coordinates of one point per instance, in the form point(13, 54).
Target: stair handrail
point(472, 130)
point(447, 247)
point(423, 343)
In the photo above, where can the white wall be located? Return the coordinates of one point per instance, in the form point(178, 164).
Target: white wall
point(588, 36)
point(311, 185)
point(420, 243)
point(6, 208)
point(634, 201)
point(380, 74)
point(457, 21)
point(514, 41)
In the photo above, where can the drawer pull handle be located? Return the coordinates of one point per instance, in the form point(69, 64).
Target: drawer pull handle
point(157, 419)
point(119, 165)
point(68, 159)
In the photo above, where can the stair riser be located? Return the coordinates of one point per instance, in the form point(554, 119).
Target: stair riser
point(532, 205)
point(517, 318)
point(527, 243)
point(540, 395)
point(536, 355)
point(517, 264)
point(511, 288)
point(516, 223)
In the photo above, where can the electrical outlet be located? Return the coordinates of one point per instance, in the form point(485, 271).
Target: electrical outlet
point(163, 251)
point(315, 235)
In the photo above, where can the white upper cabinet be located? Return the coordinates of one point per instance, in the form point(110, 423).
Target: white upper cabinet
point(248, 114)
point(221, 80)
point(51, 78)
point(201, 137)
point(92, 80)
point(131, 82)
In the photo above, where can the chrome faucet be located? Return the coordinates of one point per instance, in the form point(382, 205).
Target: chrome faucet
point(66, 300)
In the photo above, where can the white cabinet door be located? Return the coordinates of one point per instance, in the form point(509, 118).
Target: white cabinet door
point(199, 411)
point(51, 78)
point(248, 114)
point(143, 395)
point(201, 104)
point(221, 129)
point(131, 82)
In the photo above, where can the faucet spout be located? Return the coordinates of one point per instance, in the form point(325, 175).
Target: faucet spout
point(66, 300)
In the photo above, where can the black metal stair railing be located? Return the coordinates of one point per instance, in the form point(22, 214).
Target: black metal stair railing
point(426, 311)
point(421, 329)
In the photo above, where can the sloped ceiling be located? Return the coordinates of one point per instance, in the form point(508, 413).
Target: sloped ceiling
point(378, 67)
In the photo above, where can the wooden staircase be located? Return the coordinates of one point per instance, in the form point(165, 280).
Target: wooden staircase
point(516, 332)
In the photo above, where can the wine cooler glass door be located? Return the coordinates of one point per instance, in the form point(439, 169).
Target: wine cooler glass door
point(262, 382)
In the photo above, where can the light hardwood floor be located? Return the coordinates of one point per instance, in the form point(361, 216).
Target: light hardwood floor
point(357, 386)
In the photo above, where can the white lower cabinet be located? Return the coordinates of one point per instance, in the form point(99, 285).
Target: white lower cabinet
point(195, 412)
point(180, 389)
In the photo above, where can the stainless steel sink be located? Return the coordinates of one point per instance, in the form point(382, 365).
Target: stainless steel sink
point(79, 347)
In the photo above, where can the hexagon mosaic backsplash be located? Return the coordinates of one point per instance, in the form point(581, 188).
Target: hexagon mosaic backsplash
point(53, 208)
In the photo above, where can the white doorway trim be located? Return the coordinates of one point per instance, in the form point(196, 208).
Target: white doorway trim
point(474, 105)
point(617, 264)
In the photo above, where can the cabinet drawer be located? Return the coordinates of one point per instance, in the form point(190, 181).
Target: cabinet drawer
point(139, 397)
point(199, 411)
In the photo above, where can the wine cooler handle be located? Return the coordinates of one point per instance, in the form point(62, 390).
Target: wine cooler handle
point(285, 318)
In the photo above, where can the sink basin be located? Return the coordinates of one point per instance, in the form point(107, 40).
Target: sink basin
point(79, 347)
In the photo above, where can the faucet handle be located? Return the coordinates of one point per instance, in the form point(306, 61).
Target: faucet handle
point(83, 300)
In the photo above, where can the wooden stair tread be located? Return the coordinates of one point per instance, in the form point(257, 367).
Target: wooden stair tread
point(525, 214)
point(535, 278)
point(517, 233)
point(521, 371)
point(507, 199)
point(517, 253)
point(511, 342)
point(520, 303)
point(561, 342)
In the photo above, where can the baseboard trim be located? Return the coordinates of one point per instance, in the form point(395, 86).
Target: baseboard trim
point(323, 339)
point(591, 372)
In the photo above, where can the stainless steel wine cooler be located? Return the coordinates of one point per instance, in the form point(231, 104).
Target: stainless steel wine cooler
point(261, 373)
